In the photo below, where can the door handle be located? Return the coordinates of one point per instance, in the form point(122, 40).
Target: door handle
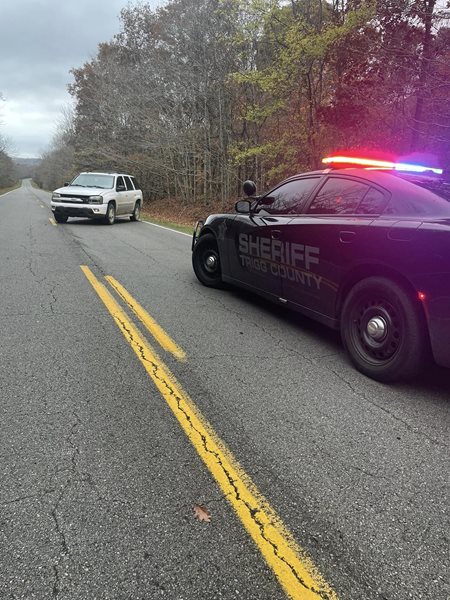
point(346, 237)
point(275, 234)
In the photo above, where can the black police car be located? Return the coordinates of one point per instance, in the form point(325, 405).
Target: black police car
point(361, 250)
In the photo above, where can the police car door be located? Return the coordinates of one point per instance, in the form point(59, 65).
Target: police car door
point(324, 243)
point(257, 258)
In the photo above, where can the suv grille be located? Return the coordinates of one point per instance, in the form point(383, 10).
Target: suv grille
point(75, 198)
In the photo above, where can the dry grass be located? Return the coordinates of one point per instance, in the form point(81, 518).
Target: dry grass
point(171, 211)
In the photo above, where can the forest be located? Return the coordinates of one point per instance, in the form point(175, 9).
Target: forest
point(8, 172)
point(197, 96)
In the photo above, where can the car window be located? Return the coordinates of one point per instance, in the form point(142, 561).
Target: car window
point(373, 203)
point(289, 198)
point(338, 196)
point(120, 181)
point(418, 202)
point(94, 180)
point(128, 183)
point(136, 184)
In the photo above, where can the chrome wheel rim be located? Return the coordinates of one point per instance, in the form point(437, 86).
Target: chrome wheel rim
point(211, 262)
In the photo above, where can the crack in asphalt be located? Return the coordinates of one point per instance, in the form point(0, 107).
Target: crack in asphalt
point(40, 494)
point(407, 425)
point(65, 551)
point(253, 512)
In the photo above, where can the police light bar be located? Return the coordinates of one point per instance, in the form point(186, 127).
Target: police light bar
point(379, 164)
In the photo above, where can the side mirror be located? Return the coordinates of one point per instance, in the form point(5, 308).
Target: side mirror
point(121, 188)
point(243, 207)
point(66, 183)
point(249, 188)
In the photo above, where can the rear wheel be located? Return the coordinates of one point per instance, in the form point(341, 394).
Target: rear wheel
point(383, 330)
point(206, 261)
point(136, 215)
point(110, 214)
point(60, 218)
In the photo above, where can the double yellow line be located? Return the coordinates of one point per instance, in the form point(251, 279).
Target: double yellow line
point(293, 568)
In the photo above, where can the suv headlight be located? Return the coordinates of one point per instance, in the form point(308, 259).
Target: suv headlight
point(95, 199)
point(56, 196)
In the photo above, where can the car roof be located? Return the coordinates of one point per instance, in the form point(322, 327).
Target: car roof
point(394, 182)
point(104, 173)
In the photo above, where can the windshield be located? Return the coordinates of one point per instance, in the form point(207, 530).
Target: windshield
point(94, 180)
point(431, 183)
point(416, 200)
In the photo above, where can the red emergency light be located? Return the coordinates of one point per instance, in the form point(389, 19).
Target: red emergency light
point(370, 163)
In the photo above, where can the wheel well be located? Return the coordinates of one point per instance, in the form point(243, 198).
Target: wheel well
point(206, 230)
point(112, 202)
point(364, 271)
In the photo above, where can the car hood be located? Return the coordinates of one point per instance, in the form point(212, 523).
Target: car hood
point(76, 190)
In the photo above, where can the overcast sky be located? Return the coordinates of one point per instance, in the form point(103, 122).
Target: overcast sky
point(40, 41)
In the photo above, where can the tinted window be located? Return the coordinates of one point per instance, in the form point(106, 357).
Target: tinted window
point(136, 184)
point(120, 181)
point(373, 203)
point(128, 183)
point(289, 198)
point(338, 196)
point(417, 202)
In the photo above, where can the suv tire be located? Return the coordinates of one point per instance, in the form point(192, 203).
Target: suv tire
point(60, 218)
point(110, 214)
point(136, 215)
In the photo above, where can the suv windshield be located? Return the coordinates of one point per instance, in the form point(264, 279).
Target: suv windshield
point(96, 180)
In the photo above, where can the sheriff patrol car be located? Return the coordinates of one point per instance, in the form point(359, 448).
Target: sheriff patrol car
point(363, 248)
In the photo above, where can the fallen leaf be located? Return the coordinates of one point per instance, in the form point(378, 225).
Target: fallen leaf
point(202, 513)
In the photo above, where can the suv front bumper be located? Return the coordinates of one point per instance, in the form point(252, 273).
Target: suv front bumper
point(73, 209)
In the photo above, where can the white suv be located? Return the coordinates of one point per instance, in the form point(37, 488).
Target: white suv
point(98, 196)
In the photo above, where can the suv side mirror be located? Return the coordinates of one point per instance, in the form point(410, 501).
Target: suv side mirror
point(121, 188)
point(249, 188)
point(243, 207)
point(66, 183)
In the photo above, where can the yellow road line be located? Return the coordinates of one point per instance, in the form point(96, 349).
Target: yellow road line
point(52, 221)
point(293, 568)
point(157, 332)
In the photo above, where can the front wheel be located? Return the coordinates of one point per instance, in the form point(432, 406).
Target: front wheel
point(110, 214)
point(383, 330)
point(60, 218)
point(206, 261)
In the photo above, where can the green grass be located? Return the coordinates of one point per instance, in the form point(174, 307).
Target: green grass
point(176, 226)
point(10, 189)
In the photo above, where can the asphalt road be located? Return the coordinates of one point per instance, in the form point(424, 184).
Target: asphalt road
point(98, 480)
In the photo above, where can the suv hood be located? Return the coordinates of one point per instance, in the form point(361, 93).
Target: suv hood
point(76, 190)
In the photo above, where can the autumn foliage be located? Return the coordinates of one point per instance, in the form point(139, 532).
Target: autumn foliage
point(199, 95)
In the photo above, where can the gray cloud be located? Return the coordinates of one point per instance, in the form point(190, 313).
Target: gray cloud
point(41, 40)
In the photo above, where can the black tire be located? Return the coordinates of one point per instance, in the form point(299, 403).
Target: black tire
point(206, 261)
point(60, 218)
point(110, 214)
point(383, 330)
point(136, 216)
